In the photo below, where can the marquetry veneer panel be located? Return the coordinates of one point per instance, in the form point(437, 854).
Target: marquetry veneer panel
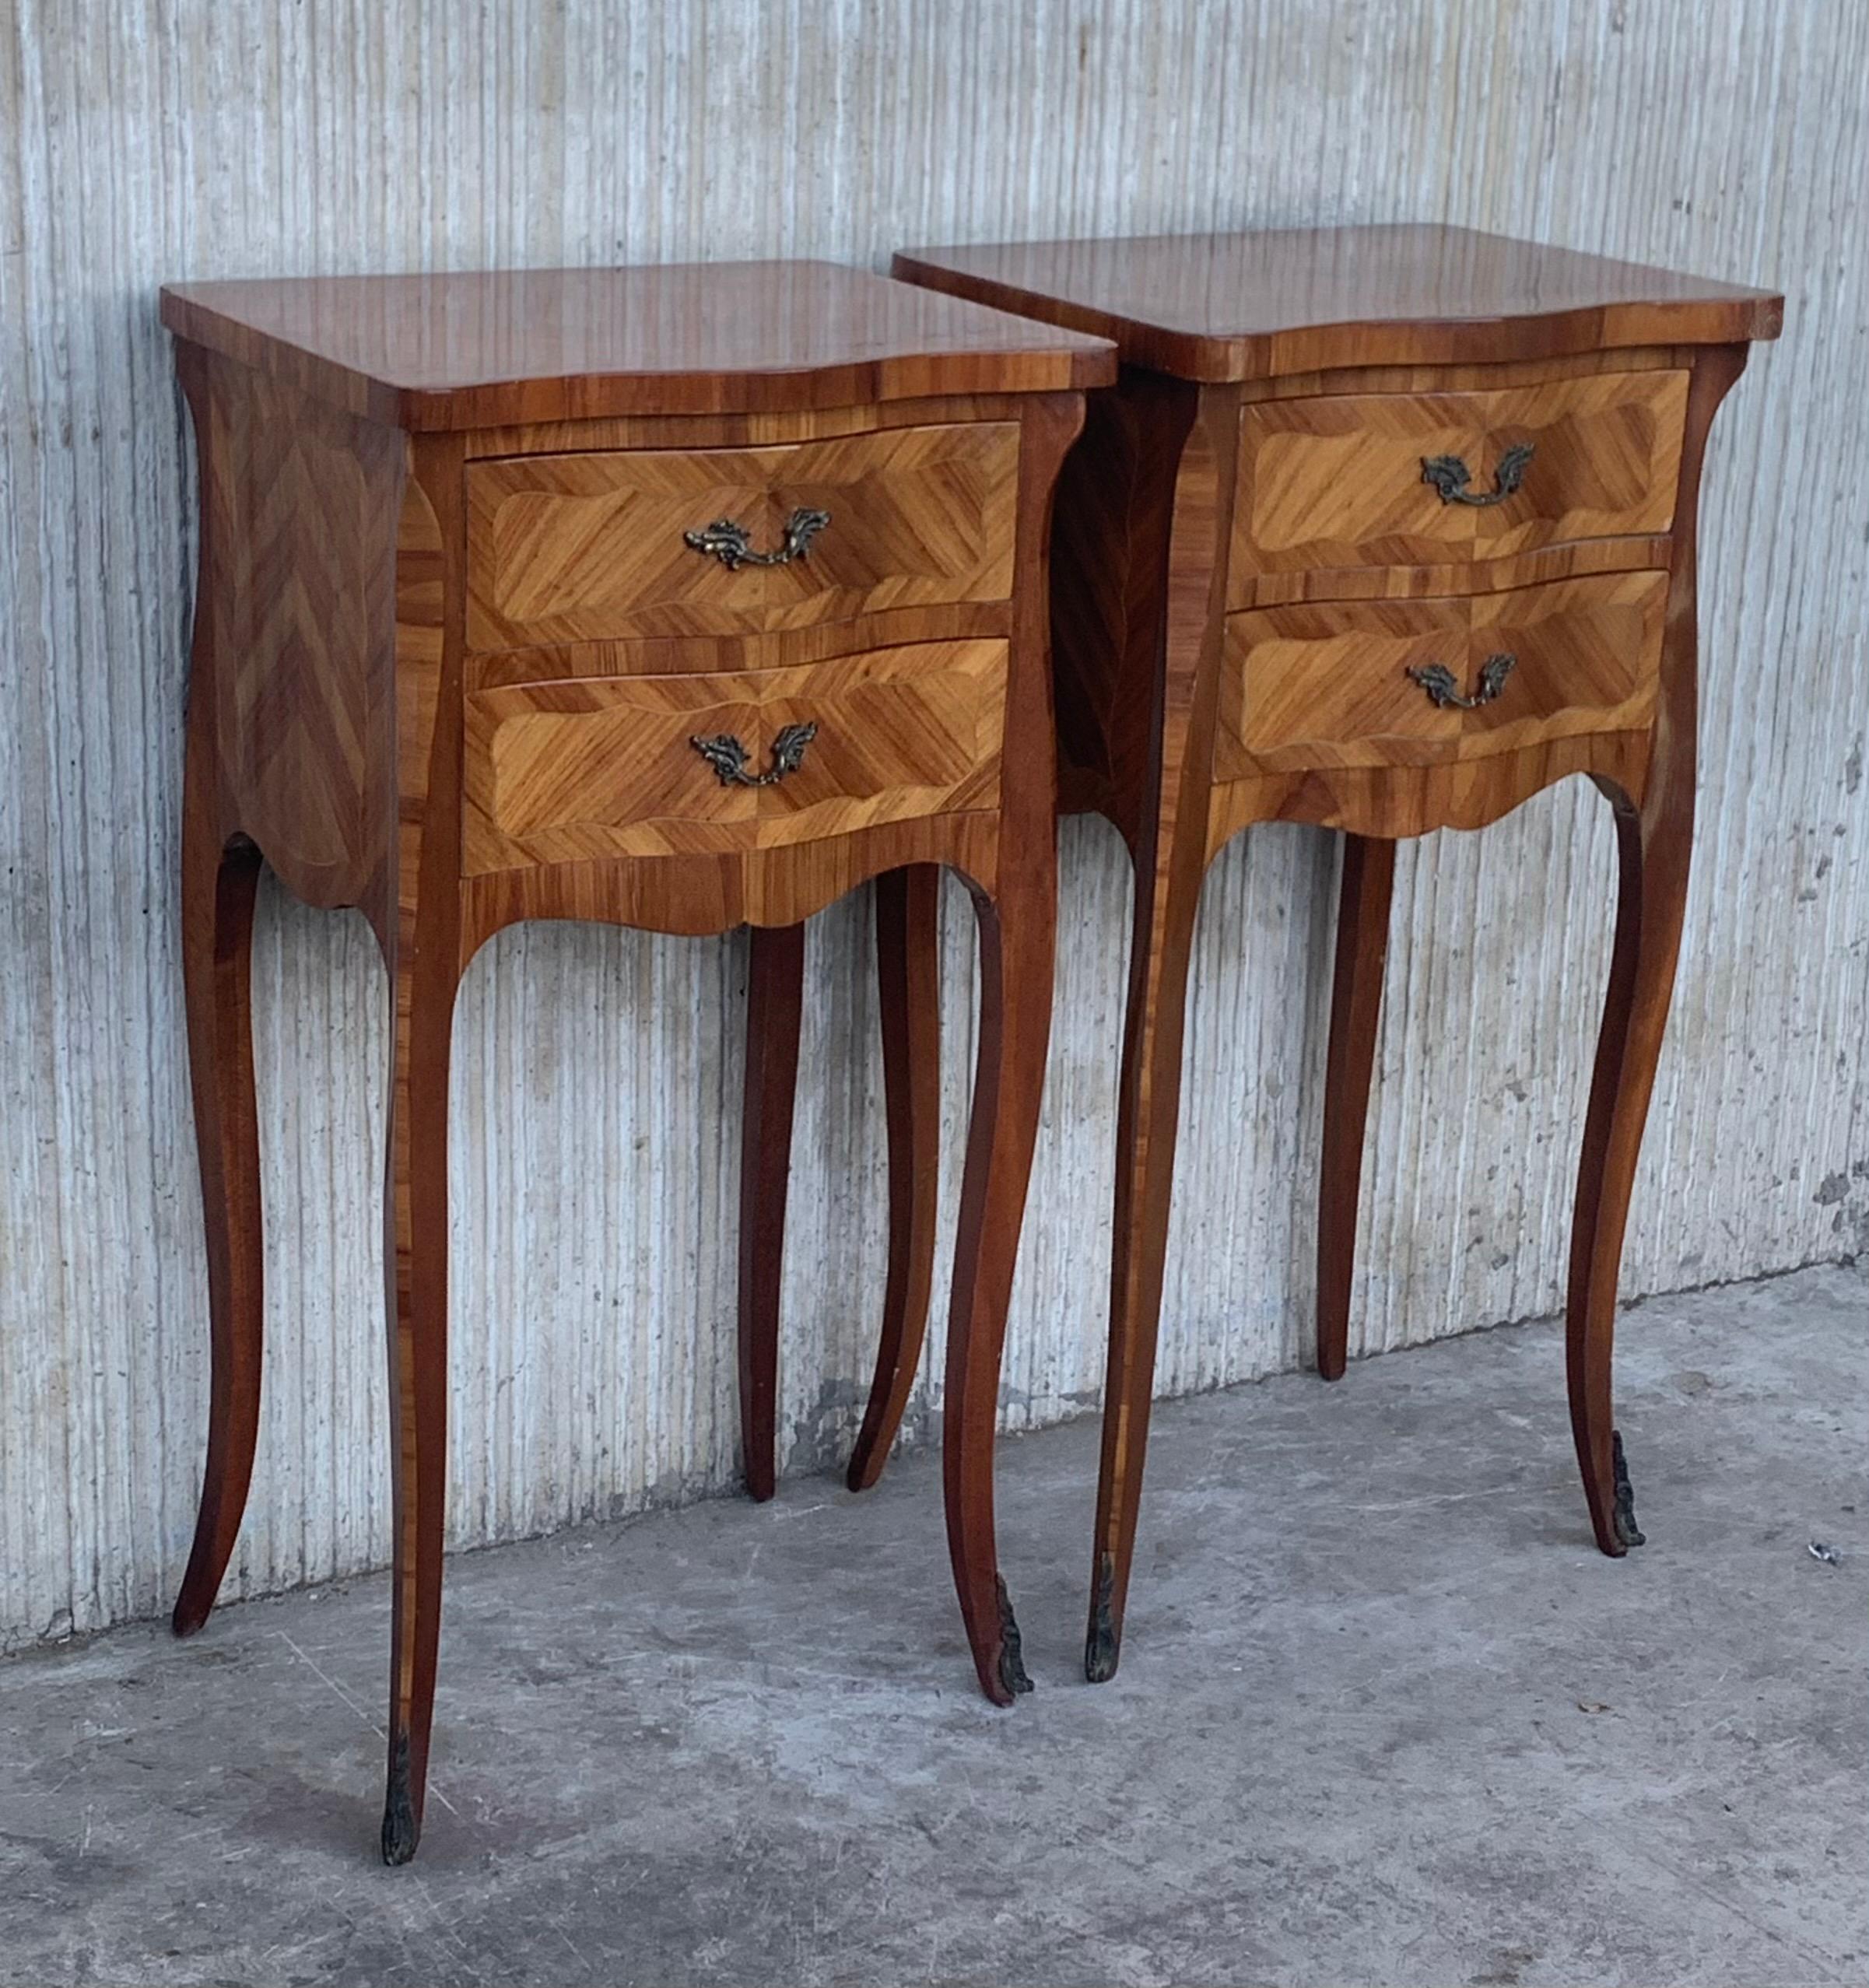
point(1327, 685)
point(458, 663)
point(1337, 481)
point(566, 771)
point(591, 546)
point(1255, 543)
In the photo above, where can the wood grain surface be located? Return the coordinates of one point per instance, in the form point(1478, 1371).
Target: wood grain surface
point(1553, 655)
point(561, 773)
point(251, 140)
point(1327, 686)
point(477, 349)
point(1247, 307)
point(347, 569)
point(1337, 481)
point(594, 545)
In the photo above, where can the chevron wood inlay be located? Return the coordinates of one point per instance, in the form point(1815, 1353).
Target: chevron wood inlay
point(1266, 564)
point(455, 662)
point(570, 547)
point(301, 507)
point(1337, 481)
point(1326, 684)
point(563, 771)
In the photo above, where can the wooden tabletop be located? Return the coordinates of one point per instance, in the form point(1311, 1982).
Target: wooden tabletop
point(483, 349)
point(1248, 307)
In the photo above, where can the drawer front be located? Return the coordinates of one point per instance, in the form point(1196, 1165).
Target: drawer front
point(1333, 685)
point(1344, 480)
point(591, 767)
point(597, 546)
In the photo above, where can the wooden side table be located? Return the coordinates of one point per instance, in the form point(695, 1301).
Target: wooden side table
point(682, 598)
point(1384, 528)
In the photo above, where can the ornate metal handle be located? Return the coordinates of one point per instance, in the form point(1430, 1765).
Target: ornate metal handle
point(1451, 476)
point(727, 756)
point(1443, 688)
point(731, 544)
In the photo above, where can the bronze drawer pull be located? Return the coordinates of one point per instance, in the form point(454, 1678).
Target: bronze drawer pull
point(1451, 476)
point(1443, 687)
point(731, 544)
point(727, 756)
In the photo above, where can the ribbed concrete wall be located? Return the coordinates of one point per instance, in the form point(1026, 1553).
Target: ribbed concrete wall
point(597, 1072)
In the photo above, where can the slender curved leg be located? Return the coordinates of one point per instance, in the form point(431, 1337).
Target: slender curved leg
point(1652, 849)
point(415, 1244)
point(1015, 967)
point(1147, 1114)
point(774, 1003)
point(1362, 946)
point(219, 888)
point(1194, 432)
point(908, 973)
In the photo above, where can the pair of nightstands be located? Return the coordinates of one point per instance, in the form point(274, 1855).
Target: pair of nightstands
point(692, 597)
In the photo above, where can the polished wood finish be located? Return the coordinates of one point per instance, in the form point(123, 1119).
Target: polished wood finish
point(219, 883)
point(1298, 300)
point(1337, 481)
point(358, 542)
point(557, 772)
point(1410, 800)
point(775, 1002)
point(1253, 551)
point(293, 659)
point(1183, 630)
point(1328, 684)
point(592, 545)
point(712, 893)
point(908, 904)
point(487, 349)
point(1017, 919)
point(421, 936)
point(1363, 894)
point(1654, 841)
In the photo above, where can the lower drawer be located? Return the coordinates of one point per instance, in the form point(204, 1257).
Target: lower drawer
point(1414, 683)
point(730, 763)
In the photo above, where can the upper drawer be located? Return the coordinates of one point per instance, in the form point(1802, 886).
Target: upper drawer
point(591, 547)
point(1440, 479)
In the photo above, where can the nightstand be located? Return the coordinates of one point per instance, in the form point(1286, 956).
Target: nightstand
point(1385, 529)
point(681, 598)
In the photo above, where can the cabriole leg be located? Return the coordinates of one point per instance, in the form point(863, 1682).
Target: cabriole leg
point(1362, 946)
point(908, 973)
point(1015, 965)
point(774, 1012)
point(1651, 849)
point(1147, 1114)
point(416, 1245)
point(220, 885)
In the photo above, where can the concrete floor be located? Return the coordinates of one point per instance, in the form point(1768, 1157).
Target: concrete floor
point(1384, 1716)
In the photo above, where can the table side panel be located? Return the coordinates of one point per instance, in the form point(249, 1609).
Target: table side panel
point(296, 607)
